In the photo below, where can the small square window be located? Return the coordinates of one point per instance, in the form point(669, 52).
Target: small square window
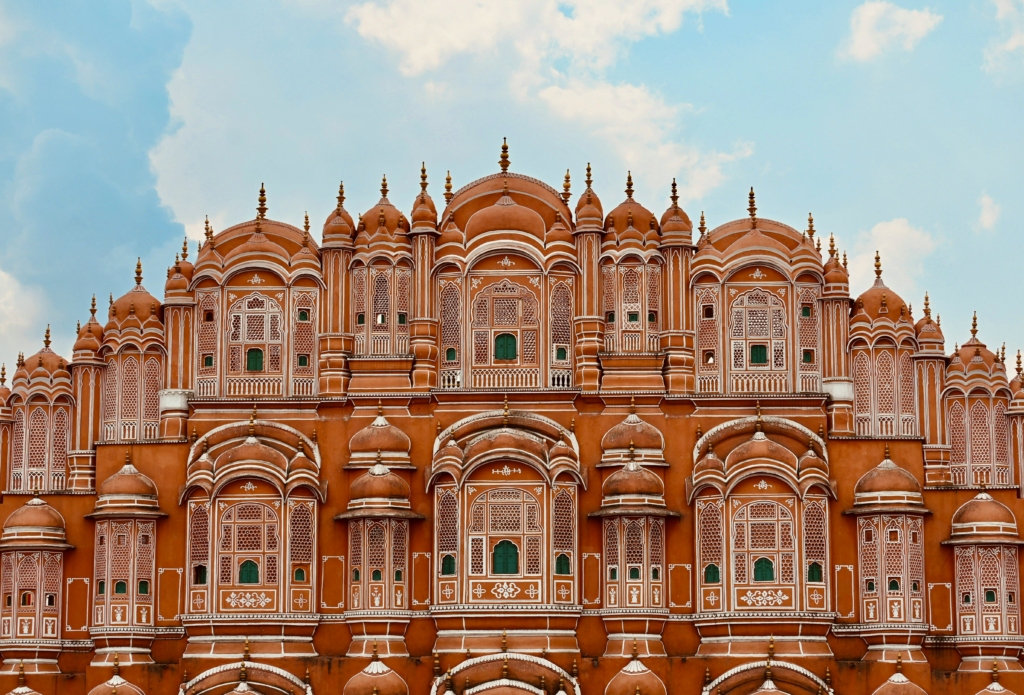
point(208, 360)
point(915, 586)
point(869, 536)
point(451, 354)
point(51, 600)
point(652, 317)
point(303, 315)
point(1011, 598)
point(965, 599)
point(990, 595)
point(634, 316)
point(870, 586)
point(609, 317)
point(708, 311)
point(382, 319)
point(402, 319)
point(561, 354)
point(303, 360)
point(207, 316)
point(808, 356)
point(360, 319)
point(894, 536)
point(805, 311)
point(613, 574)
point(759, 354)
point(913, 537)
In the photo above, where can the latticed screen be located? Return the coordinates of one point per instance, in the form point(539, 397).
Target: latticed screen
point(254, 335)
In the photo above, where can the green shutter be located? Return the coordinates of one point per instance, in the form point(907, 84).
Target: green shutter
point(249, 573)
point(506, 558)
point(814, 572)
point(505, 347)
point(758, 354)
point(447, 565)
point(764, 570)
point(712, 575)
point(451, 355)
point(562, 564)
point(254, 360)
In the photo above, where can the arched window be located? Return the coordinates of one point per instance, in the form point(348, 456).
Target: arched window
point(561, 324)
point(764, 570)
point(448, 566)
point(712, 575)
point(505, 346)
point(120, 588)
point(101, 588)
point(199, 575)
point(451, 323)
point(254, 360)
point(249, 573)
point(143, 588)
point(300, 574)
point(814, 572)
point(505, 558)
point(894, 584)
point(562, 564)
point(451, 355)
point(957, 425)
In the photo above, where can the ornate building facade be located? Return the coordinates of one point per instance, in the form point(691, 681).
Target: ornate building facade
point(514, 443)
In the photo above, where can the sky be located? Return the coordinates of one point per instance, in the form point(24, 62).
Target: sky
point(125, 123)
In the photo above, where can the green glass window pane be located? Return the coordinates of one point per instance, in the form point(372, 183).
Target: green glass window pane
point(894, 585)
point(101, 588)
point(634, 316)
point(402, 319)
point(990, 596)
point(506, 558)
point(634, 572)
point(764, 570)
point(448, 565)
point(360, 319)
point(814, 572)
point(207, 360)
point(303, 360)
point(712, 575)
point(398, 575)
point(121, 588)
point(254, 360)
point(561, 354)
point(562, 564)
point(303, 315)
point(249, 573)
point(300, 574)
point(805, 311)
point(613, 574)
point(652, 317)
point(355, 574)
point(610, 317)
point(451, 355)
point(143, 588)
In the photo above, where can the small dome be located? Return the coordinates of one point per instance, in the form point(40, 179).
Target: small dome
point(252, 449)
point(709, 463)
point(384, 223)
point(42, 365)
point(588, 207)
point(90, 336)
point(633, 480)
point(449, 452)
point(633, 432)
point(424, 213)
point(339, 225)
point(887, 477)
point(811, 461)
point(995, 687)
point(758, 447)
point(379, 482)
point(984, 520)
point(116, 686)
point(380, 436)
point(634, 677)
point(506, 215)
point(377, 678)
point(128, 481)
point(628, 218)
point(835, 273)
point(21, 688)
point(137, 306)
point(35, 514)
point(879, 301)
point(898, 684)
point(675, 220)
point(176, 280)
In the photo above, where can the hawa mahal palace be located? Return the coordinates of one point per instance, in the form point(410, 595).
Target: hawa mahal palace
point(521, 443)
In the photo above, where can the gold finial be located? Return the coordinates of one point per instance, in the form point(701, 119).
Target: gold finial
point(1002, 354)
point(543, 680)
point(632, 405)
point(504, 188)
point(437, 665)
point(810, 225)
point(504, 642)
point(974, 326)
point(92, 307)
point(752, 207)
point(138, 271)
point(831, 246)
point(504, 666)
point(423, 177)
point(635, 654)
point(817, 245)
point(341, 196)
point(887, 451)
point(629, 184)
point(1019, 368)
point(184, 249)
point(707, 676)
point(703, 228)
point(572, 426)
point(589, 181)
point(758, 426)
point(828, 677)
point(242, 676)
point(384, 186)
point(117, 665)
point(503, 161)
point(306, 677)
point(448, 195)
point(566, 188)
point(878, 264)
point(46, 336)
point(504, 415)
point(438, 422)
point(821, 430)
point(375, 656)
point(771, 647)
point(245, 650)
point(899, 662)
point(995, 672)
point(675, 194)
point(629, 217)
point(575, 672)
point(209, 229)
point(261, 209)
point(21, 672)
point(252, 421)
point(844, 260)
point(927, 306)
point(3, 374)
point(380, 408)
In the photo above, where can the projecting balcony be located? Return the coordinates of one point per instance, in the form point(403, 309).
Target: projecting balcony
point(759, 382)
point(506, 378)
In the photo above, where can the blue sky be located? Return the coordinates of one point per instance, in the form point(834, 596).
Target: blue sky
point(123, 123)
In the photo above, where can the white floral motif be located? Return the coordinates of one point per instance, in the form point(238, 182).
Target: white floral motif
point(248, 599)
point(764, 598)
point(256, 279)
point(505, 590)
point(249, 486)
point(757, 274)
point(506, 262)
point(506, 470)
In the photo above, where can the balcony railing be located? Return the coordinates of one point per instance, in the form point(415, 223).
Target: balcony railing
point(760, 382)
point(254, 386)
point(521, 378)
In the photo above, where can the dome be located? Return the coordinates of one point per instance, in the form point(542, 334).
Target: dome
point(633, 432)
point(252, 449)
point(635, 677)
point(384, 222)
point(424, 213)
point(880, 301)
point(380, 437)
point(709, 463)
point(116, 685)
point(928, 331)
point(21, 688)
point(984, 520)
point(888, 487)
point(339, 227)
point(35, 514)
point(377, 678)
point(128, 481)
point(633, 480)
point(675, 220)
point(504, 215)
point(995, 688)
point(588, 207)
point(379, 483)
point(90, 336)
point(898, 684)
point(137, 306)
point(42, 365)
point(760, 447)
point(835, 272)
point(811, 461)
point(629, 215)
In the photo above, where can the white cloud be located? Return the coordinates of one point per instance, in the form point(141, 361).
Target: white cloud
point(903, 249)
point(559, 52)
point(876, 26)
point(989, 212)
point(1001, 51)
point(21, 308)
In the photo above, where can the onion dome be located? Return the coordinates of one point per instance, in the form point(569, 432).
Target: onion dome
point(424, 214)
point(379, 493)
point(974, 359)
point(898, 684)
point(675, 223)
point(450, 453)
point(633, 434)
point(835, 272)
point(888, 488)
point(380, 440)
point(176, 280)
point(184, 265)
point(377, 678)
point(633, 490)
point(339, 227)
point(135, 309)
point(116, 685)
point(506, 214)
point(558, 232)
point(44, 365)
point(251, 450)
point(589, 214)
point(384, 223)
point(929, 333)
point(758, 448)
point(984, 520)
point(90, 336)
point(21, 688)
point(203, 464)
point(709, 464)
point(881, 302)
point(34, 524)
point(127, 493)
point(629, 215)
point(995, 687)
point(811, 461)
point(5, 393)
point(633, 678)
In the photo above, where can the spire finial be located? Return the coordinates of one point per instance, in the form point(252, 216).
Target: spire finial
point(184, 249)
point(810, 225)
point(707, 676)
point(995, 672)
point(703, 228)
point(261, 209)
point(3, 371)
point(771, 647)
point(635, 653)
point(752, 208)
point(423, 177)
point(675, 194)
point(629, 184)
point(380, 408)
point(376, 656)
point(831, 246)
point(384, 186)
point(245, 650)
point(974, 326)
point(844, 260)
point(138, 271)
point(252, 421)
point(92, 307)
point(589, 181)
point(632, 405)
point(117, 665)
point(505, 411)
point(503, 161)
point(437, 664)
point(341, 196)
point(306, 227)
point(209, 229)
point(448, 195)
point(504, 643)
point(878, 265)
point(1019, 368)
point(758, 426)
point(566, 188)
point(504, 663)
point(899, 662)
point(21, 672)
point(887, 450)
point(927, 306)
point(817, 245)
point(46, 336)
